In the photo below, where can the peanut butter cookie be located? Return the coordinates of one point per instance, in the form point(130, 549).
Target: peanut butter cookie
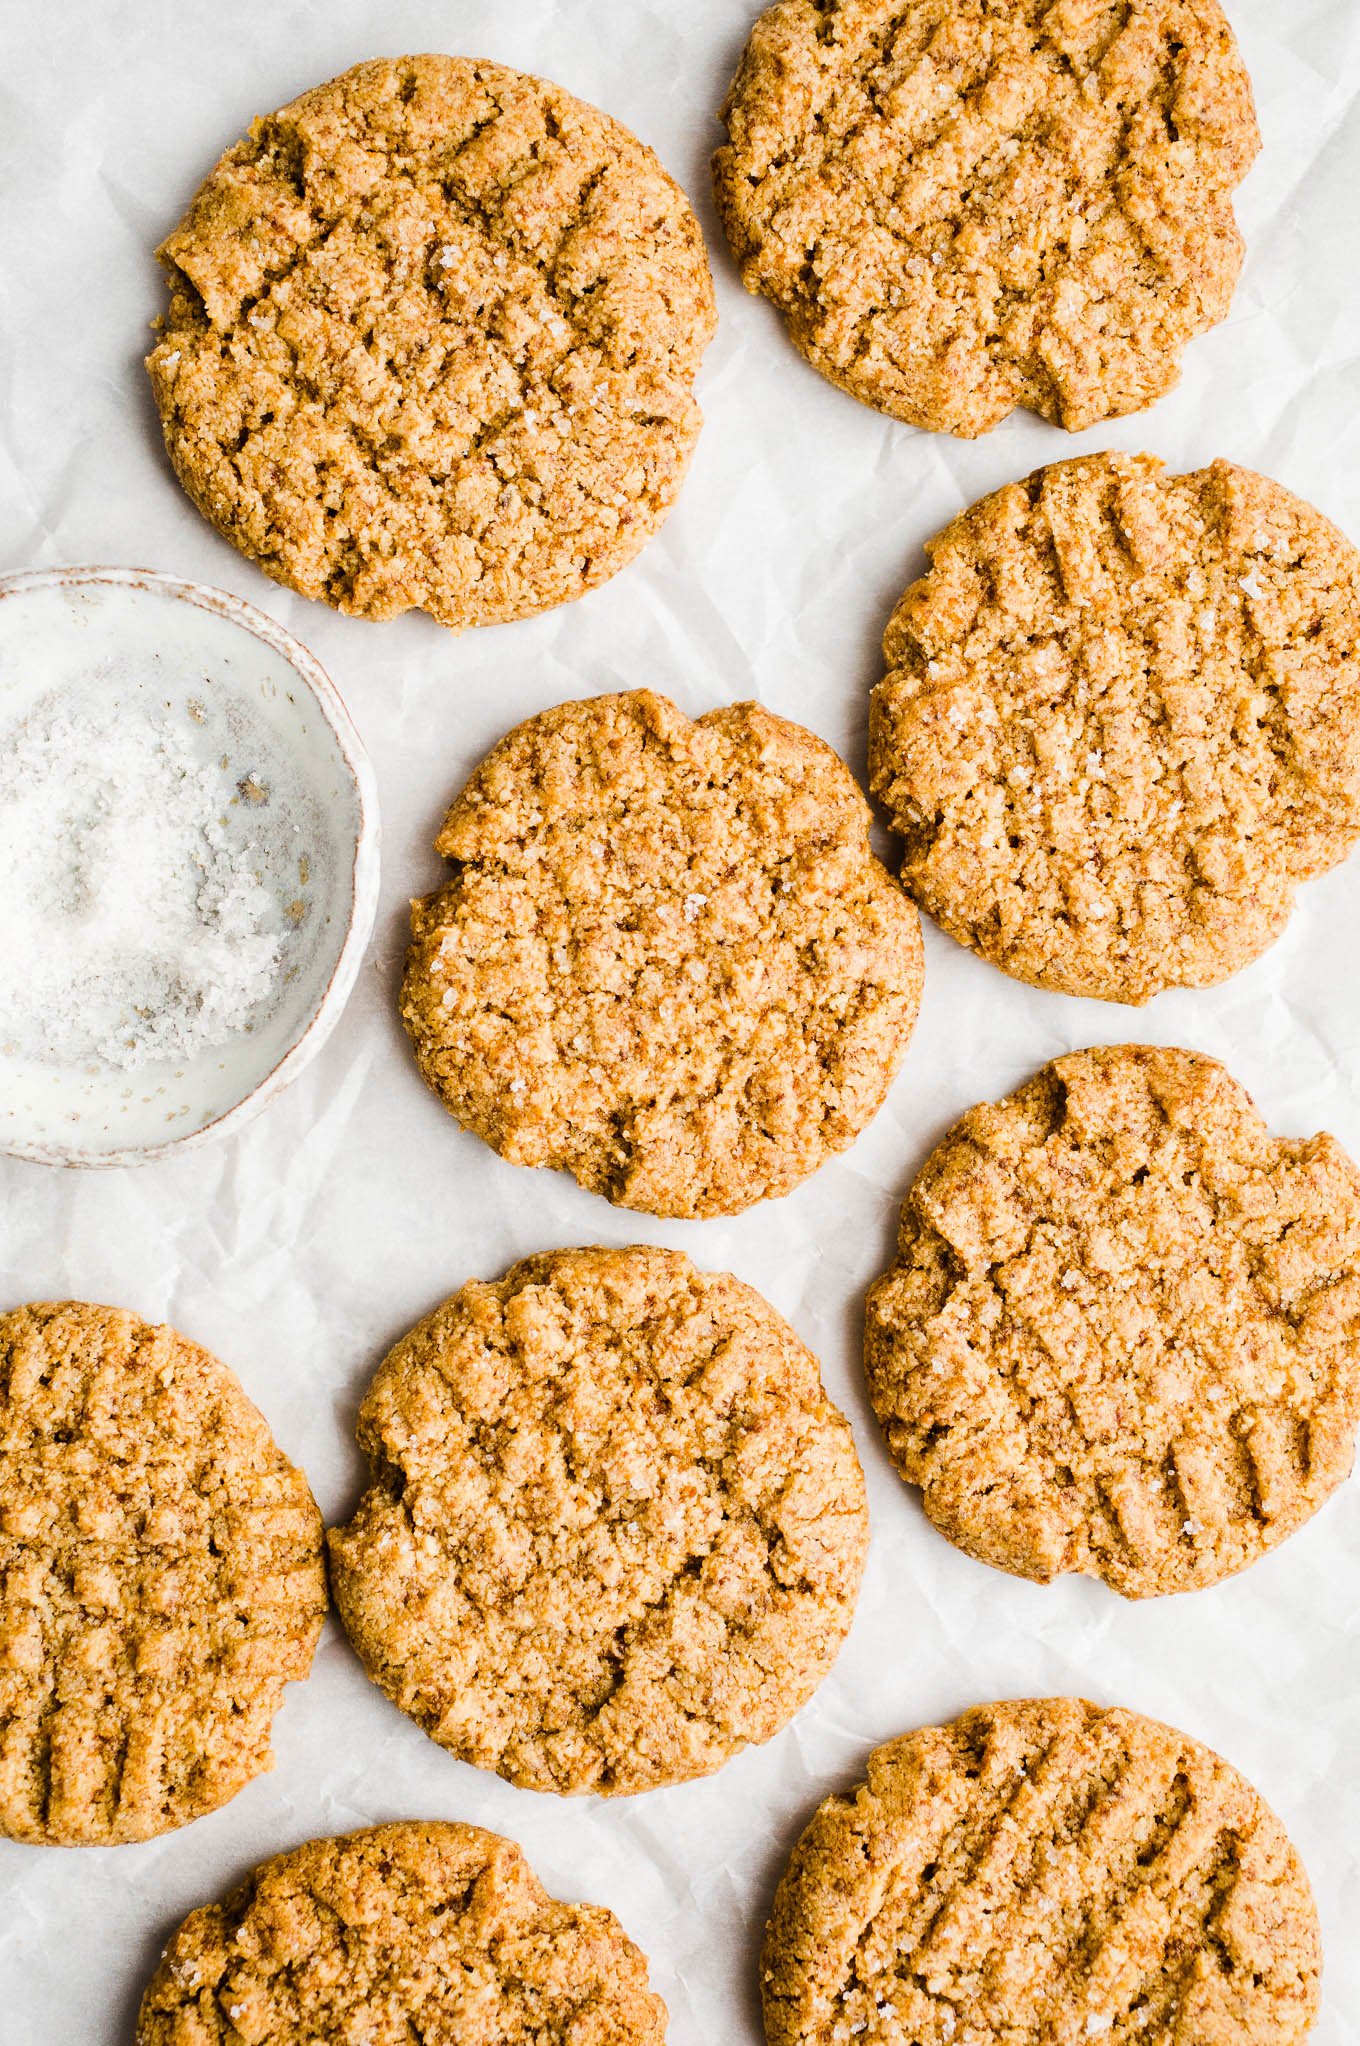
point(960, 207)
point(161, 1578)
point(432, 334)
point(615, 1529)
point(667, 961)
point(406, 1932)
point(1121, 721)
point(1122, 1334)
point(1044, 1873)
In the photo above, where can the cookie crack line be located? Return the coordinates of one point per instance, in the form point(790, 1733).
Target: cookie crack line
point(473, 214)
point(161, 1578)
point(1089, 1351)
point(667, 961)
point(641, 1525)
point(399, 1933)
point(534, 300)
point(957, 213)
point(1113, 732)
point(1042, 1864)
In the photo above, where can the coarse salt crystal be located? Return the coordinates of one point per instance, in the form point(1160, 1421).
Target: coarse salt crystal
point(695, 906)
point(131, 918)
point(1252, 585)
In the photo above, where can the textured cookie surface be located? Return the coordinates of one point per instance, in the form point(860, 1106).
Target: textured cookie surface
point(1044, 1873)
point(1121, 720)
point(1122, 1334)
point(406, 1932)
point(615, 1530)
point(161, 1578)
point(668, 961)
point(961, 206)
point(432, 334)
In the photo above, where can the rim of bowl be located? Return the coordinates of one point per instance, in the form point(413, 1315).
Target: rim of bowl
point(364, 869)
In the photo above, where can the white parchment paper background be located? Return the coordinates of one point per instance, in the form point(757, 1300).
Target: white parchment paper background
point(302, 1248)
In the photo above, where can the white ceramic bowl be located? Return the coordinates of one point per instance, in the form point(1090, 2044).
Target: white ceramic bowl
point(253, 697)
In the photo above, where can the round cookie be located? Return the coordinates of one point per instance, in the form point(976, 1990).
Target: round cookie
point(668, 961)
point(960, 207)
point(615, 1528)
point(1044, 1873)
point(1121, 721)
point(432, 334)
point(404, 1932)
point(161, 1578)
point(1122, 1334)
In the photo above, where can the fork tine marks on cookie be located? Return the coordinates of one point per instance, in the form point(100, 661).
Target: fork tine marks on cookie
point(1050, 1872)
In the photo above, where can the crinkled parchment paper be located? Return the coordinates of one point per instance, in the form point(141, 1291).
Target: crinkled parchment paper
point(300, 1249)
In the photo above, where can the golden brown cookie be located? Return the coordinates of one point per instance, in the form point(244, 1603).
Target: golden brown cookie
point(432, 334)
point(960, 206)
point(405, 1932)
point(615, 1528)
point(1044, 1873)
point(1122, 1334)
point(161, 1578)
point(1121, 721)
point(667, 961)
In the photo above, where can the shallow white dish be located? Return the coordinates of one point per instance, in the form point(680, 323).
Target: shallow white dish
point(259, 702)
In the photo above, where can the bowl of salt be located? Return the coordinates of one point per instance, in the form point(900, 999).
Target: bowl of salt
point(188, 863)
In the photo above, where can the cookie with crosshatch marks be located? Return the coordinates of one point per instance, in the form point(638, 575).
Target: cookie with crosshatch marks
point(431, 1931)
point(961, 207)
point(161, 1578)
point(615, 1528)
point(667, 961)
point(1122, 1332)
point(1044, 1873)
point(1121, 722)
point(432, 337)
